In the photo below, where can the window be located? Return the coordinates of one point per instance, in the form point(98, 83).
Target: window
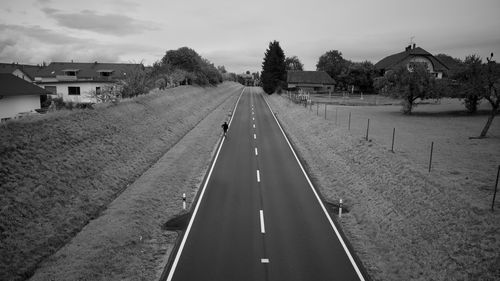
point(74, 91)
point(70, 73)
point(52, 89)
point(105, 74)
point(98, 90)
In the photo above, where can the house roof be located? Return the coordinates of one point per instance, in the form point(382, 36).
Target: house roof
point(395, 60)
point(309, 77)
point(89, 69)
point(29, 70)
point(11, 85)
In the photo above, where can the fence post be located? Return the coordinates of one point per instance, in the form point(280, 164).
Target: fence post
point(349, 126)
point(430, 159)
point(393, 133)
point(367, 128)
point(325, 110)
point(495, 193)
point(336, 115)
point(317, 109)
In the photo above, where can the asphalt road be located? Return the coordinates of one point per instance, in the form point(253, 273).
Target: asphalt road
point(257, 217)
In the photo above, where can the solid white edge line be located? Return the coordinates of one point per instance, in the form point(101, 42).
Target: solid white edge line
point(262, 226)
point(181, 247)
point(319, 199)
point(258, 176)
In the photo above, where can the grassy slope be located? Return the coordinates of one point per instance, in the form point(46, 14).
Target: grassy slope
point(59, 172)
point(404, 223)
point(128, 242)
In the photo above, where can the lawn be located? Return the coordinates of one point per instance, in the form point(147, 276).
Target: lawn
point(404, 222)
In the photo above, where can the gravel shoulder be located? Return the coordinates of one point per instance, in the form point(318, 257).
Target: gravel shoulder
point(403, 223)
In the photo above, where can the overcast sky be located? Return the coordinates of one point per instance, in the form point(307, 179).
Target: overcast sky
point(236, 33)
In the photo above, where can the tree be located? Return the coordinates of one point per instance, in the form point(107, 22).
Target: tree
point(333, 63)
point(409, 85)
point(273, 68)
point(293, 63)
point(360, 74)
point(186, 62)
point(135, 83)
point(470, 75)
point(492, 95)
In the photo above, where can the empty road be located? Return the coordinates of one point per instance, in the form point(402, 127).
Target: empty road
point(258, 217)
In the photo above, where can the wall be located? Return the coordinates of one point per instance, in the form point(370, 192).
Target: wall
point(86, 90)
point(10, 106)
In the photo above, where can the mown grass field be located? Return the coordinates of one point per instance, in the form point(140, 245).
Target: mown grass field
point(60, 171)
point(404, 222)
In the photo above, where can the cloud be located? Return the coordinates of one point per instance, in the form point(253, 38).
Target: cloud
point(34, 44)
point(36, 32)
point(113, 24)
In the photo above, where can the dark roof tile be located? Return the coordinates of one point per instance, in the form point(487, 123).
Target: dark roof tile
point(309, 77)
point(395, 60)
point(11, 85)
point(89, 70)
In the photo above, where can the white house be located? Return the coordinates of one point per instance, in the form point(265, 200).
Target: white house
point(412, 54)
point(78, 82)
point(18, 96)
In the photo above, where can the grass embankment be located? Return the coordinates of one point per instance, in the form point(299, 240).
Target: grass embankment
point(404, 223)
point(59, 172)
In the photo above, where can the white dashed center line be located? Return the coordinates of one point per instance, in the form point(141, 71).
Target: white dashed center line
point(254, 136)
point(264, 260)
point(258, 176)
point(256, 152)
point(254, 126)
point(262, 226)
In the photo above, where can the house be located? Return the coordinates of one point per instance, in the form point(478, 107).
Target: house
point(310, 80)
point(18, 96)
point(78, 82)
point(23, 71)
point(410, 55)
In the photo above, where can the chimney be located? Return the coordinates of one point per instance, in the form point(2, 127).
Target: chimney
point(413, 45)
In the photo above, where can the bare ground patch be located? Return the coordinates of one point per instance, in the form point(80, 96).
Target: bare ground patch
point(404, 223)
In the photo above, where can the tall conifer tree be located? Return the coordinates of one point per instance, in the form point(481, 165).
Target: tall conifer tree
point(273, 68)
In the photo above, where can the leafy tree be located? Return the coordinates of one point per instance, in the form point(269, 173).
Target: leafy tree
point(410, 85)
point(360, 74)
point(273, 68)
point(470, 75)
point(293, 63)
point(186, 61)
point(222, 69)
point(333, 63)
point(135, 83)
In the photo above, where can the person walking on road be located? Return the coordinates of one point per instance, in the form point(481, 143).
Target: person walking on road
point(225, 126)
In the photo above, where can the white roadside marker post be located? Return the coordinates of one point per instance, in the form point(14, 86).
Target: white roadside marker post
point(340, 208)
point(184, 201)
